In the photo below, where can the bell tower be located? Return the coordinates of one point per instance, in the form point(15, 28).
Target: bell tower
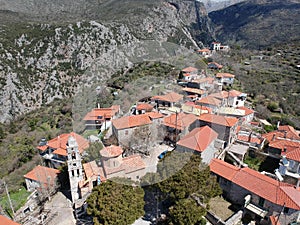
point(74, 168)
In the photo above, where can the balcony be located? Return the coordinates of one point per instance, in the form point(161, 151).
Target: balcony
point(253, 208)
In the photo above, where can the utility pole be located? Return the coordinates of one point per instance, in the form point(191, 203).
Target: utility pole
point(9, 200)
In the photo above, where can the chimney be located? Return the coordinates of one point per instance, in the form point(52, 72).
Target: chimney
point(273, 138)
point(285, 133)
point(278, 124)
point(98, 106)
point(249, 138)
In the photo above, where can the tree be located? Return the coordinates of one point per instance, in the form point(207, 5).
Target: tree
point(115, 203)
point(186, 211)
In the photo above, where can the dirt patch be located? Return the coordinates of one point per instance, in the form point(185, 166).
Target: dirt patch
point(220, 207)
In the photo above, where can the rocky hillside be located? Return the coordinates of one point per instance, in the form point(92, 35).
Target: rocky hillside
point(49, 48)
point(258, 23)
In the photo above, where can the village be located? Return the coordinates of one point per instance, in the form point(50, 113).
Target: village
point(208, 118)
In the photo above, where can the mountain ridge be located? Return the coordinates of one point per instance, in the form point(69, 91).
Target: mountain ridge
point(258, 23)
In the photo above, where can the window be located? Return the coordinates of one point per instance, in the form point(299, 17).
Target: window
point(78, 173)
point(261, 202)
point(73, 155)
point(126, 132)
point(286, 210)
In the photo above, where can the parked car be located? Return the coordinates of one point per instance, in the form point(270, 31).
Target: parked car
point(163, 154)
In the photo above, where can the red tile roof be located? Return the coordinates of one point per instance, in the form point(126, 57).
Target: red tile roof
point(253, 139)
point(194, 90)
point(170, 97)
point(111, 151)
point(60, 143)
point(291, 131)
point(247, 110)
point(220, 95)
point(189, 69)
point(234, 93)
point(106, 113)
point(44, 175)
point(128, 165)
point(293, 154)
point(272, 190)
point(5, 221)
point(144, 106)
point(284, 132)
point(209, 101)
point(198, 139)
point(154, 115)
point(225, 75)
point(183, 120)
point(204, 50)
point(131, 121)
point(92, 171)
point(274, 220)
point(221, 120)
point(216, 64)
point(284, 145)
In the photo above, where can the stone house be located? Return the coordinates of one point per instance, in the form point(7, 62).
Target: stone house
point(167, 100)
point(177, 125)
point(124, 127)
point(204, 52)
point(214, 66)
point(201, 141)
point(99, 116)
point(260, 195)
point(213, 103)
point(249, 115)
point(41, 178)
point(226, 127)
point(225, 78)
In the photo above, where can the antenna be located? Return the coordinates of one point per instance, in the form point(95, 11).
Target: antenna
point(9, 200)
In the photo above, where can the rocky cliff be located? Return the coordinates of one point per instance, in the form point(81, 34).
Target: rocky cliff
point(49, 48)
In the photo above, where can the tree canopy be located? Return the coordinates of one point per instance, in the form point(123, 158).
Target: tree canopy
point(186, 191)
point(115, 203)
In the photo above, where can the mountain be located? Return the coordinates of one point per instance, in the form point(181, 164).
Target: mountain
point(50, 48)
point(258, 23)
point(213, 5)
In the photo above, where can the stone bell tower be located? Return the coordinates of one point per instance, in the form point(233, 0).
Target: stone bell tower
point(74, 168)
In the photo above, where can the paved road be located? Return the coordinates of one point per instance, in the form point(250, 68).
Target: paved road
point(61, 211)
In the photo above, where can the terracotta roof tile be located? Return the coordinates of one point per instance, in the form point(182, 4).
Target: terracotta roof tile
point(170, 97)
point(100, 113)
point(189, 69)
point(221, 120)
point(183, 120)
point(154, 115)
point(92, 171)
point(144, 106)
point(225, 75)
point(198, 139)
point(220, 95)
point(194, 90)
point(272, 190)
point(129, 164)
point(111, 151)
point(293, 154)
point(43, 175)
point(5, 221)
point(209, 101)
point(219, 66)
point(60, 143)
point(131, 121)
point(247, 110)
